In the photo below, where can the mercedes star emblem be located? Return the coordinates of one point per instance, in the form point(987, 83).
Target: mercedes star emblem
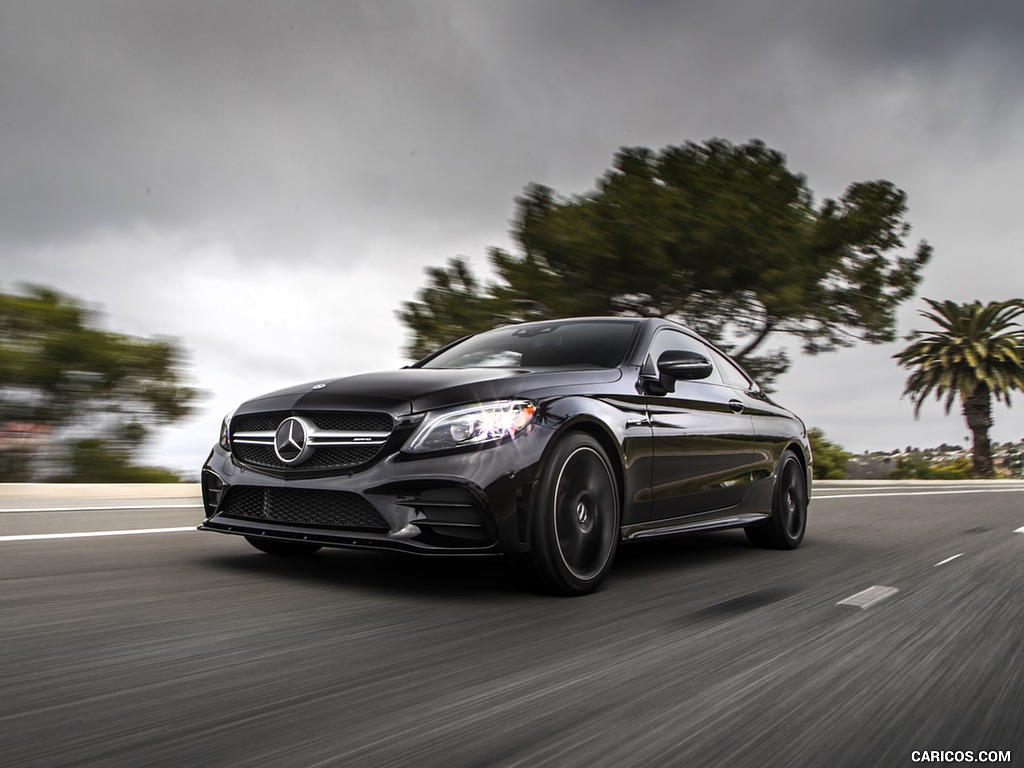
point(291, 441)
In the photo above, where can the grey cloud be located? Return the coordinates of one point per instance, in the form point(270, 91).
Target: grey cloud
point(276, 120)
point(183, 114)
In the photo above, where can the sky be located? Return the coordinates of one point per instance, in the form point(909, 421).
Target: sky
point(268, 181)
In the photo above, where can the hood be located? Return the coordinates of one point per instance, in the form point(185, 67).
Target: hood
point(412, 390)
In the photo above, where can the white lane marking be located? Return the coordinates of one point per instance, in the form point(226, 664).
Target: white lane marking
point(101, 509)
point(949, 559)
point(1019, 530)
point(816, 497)
point(90, 534)
point(869, 596)
point(827, 485)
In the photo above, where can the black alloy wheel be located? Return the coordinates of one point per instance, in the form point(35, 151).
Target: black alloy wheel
point(788, 523)
point(575, 517)
point(282, 548)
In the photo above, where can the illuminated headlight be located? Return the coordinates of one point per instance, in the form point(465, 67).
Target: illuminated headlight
point(225, 432)
point(471, 425)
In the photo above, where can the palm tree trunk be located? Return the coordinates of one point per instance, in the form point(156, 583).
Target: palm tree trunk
point(977, 409)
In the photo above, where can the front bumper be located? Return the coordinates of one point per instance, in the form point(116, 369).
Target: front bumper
point(461, 503)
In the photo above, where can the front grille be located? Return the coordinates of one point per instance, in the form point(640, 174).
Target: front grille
point(324, 458)
point(346, 420)
point(355, 422)
point(301, 506)
point(330, 457)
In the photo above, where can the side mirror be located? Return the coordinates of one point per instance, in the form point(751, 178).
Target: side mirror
point(684, 366)
point(673, 366)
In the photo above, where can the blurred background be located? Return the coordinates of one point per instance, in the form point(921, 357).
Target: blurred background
point(201, 203)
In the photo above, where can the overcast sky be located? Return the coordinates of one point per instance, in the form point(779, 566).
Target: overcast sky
point(267, 181)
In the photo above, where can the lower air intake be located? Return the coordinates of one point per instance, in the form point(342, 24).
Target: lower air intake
point(300, 506)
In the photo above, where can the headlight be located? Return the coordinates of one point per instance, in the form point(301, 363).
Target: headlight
point(471, 425)
point(225, 432)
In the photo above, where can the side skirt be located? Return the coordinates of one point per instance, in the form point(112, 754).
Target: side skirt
point(676, 525)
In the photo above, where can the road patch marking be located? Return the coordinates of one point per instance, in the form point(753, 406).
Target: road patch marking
point(92, 534)
point(949, 559)
point(869, 596)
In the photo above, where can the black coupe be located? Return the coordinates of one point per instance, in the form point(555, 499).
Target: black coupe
point(551, 441)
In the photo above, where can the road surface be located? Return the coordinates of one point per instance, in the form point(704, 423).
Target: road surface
point(897, 628)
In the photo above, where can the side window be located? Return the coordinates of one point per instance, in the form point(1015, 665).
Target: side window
point(732, 375)
point(667, 339)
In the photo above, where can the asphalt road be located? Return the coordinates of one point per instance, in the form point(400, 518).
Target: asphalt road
point(180, 648)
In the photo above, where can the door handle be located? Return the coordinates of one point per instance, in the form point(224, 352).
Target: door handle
point(736, 406)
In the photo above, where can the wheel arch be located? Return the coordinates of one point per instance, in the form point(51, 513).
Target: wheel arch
point(560, 564)
point(802, 455)
point(612, 450)
point(606, 440)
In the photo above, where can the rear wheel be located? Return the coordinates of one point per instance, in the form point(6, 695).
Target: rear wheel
point(282, 548)
point(785, 529)
point(575, 517)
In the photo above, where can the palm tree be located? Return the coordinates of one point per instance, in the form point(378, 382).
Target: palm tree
point(976, 354)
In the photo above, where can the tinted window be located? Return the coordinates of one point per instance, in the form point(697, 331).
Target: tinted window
point(577, 344)
point(732, 375)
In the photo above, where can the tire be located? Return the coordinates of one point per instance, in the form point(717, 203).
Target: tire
point(282, 548)
point(575, 518)
point(788, 523)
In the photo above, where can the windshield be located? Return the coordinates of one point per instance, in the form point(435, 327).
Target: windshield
point(569, 344)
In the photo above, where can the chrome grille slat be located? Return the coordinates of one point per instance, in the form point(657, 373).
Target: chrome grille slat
point(341, 440)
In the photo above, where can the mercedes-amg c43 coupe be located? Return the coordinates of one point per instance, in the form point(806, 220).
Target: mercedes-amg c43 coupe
point(549, 441)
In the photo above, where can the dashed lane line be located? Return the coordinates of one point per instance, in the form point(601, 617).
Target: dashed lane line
point(869, 596)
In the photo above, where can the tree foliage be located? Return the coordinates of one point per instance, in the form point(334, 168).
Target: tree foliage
point(917, 466)
point(95, 460)
point(723, 237)
point(830, 458)
point(976, 354)
point(60, 371)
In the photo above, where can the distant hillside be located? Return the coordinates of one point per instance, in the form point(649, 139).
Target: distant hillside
point(879, 465)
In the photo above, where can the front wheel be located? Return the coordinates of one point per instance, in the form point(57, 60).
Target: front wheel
point(282, 548)
point(575, 517)
point(785, 529)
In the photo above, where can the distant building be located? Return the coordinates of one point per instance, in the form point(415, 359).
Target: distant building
point(878, 465)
